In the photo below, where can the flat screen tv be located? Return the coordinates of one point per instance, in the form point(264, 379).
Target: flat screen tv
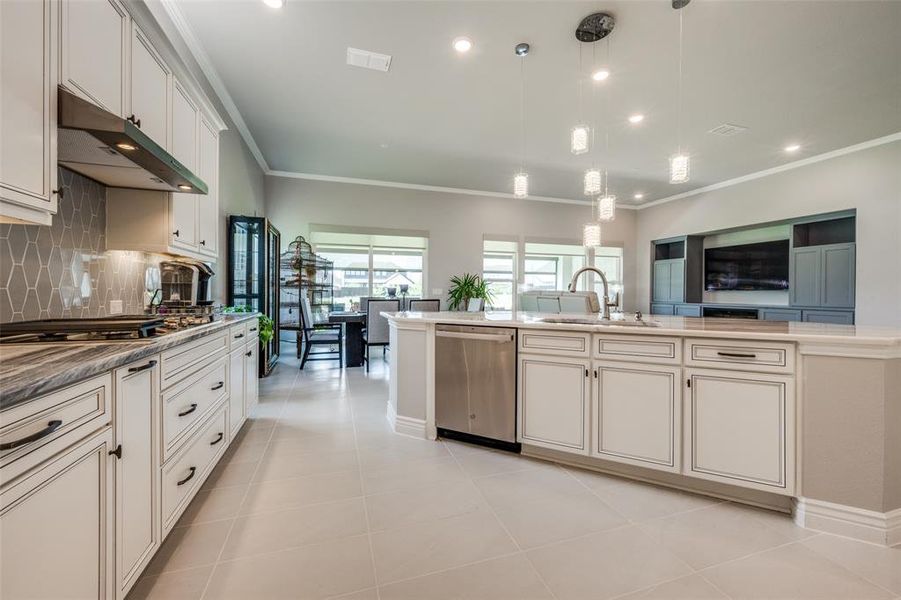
point(761, 266)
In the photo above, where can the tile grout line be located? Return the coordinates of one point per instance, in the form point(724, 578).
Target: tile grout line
point(231, 528)
point(500, 522)
point(375, 574)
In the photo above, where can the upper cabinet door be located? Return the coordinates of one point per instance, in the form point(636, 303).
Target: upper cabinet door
point(838, 275)
point(662, 278)
point(94, 46)
point(28, 110)
point(805, 286)
point(184, 127)
point(149, 89)
point(208, 206)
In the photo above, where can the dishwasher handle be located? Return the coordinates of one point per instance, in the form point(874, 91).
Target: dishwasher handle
point(500, 338)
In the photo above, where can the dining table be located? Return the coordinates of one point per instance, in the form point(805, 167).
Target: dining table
point(354, 323)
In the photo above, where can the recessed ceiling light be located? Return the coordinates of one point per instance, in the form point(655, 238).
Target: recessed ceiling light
point(124, 146)
point(638, 196)
point(600, 75)
point(791, 148)
point(462, 44)
point(636, 119)
point(183, 186)
point(274, 3)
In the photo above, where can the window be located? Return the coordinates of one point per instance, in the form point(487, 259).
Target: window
point(551, 266)
point(499, 272)
point(372, 265)
point(610, 261)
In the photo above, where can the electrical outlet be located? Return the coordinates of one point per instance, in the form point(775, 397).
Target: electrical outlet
point(115, 307)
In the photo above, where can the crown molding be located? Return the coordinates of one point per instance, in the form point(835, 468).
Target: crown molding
point(894, 137)
point(426, 188)
point(206, 65)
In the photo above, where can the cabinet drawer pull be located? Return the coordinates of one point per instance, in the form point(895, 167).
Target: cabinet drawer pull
point(189, 477)
point(50, 428)
point(239, 336)
point(218, 386)
point(218, 439)
point(248, 353)
point(189, 411)
point(253, 329)
point(150, 364)
point(737, 355)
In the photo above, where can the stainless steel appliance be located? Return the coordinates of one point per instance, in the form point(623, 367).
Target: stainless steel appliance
point(185, 283)
point(475, 384)
point(114, 151)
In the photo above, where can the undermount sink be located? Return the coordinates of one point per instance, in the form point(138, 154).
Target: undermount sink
point(596, 321)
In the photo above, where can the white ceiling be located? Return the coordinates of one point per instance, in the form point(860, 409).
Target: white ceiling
point(825, 74)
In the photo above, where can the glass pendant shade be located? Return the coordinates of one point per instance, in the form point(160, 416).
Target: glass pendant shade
point(578, 139)
point(592, 182)
point(521, 185)
point(591, 235)
point(607, 208)
point(679, 168)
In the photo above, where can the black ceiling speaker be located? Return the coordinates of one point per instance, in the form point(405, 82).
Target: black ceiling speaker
point(596, 27)
point(677, 4)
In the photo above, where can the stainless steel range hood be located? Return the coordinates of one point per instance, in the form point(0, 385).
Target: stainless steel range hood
point(114, 151)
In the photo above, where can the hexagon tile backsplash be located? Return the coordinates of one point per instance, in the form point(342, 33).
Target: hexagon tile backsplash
point(64, 270)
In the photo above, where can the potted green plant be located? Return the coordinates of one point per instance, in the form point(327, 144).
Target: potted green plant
point(468, 287)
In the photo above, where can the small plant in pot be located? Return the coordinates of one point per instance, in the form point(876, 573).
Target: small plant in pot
point(468, 287)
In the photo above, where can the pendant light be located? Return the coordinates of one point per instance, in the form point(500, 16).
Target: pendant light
point(579, 135)
point(607, 207)
point(591, 234)
point(521, 179)
point(592, 182)
point(679, 163)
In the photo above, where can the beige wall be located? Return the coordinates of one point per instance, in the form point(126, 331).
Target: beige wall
point(457, 223)
point(868, 180)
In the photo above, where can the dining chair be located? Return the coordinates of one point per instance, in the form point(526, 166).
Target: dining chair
point(377, 332)
point(324, 334)
point(425, 305)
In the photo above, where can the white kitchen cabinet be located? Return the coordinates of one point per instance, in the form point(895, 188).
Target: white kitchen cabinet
point(208, 206)
point(137, 435)
point(57, 523)
point(637, 414)
point(149, 88)
point(185, 146)
point(554, 402)
point(236, 398)
point(28, 51)
point(94, 45)
point(251, 376)
point(740, 428)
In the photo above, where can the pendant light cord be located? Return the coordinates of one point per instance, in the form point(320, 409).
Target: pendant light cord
point(522, 113)
point(679, 115)
point(607, 121)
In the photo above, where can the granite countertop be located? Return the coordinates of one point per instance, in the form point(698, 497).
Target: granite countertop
point(822, 333)
point(31, 370)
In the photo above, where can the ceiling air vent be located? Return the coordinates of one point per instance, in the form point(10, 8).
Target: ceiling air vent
point(368, 60)
point(727, 129)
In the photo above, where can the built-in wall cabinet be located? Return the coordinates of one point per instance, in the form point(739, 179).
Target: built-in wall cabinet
point(714, 409)
point(822, 273)
point(99, 52)
point(28, 188)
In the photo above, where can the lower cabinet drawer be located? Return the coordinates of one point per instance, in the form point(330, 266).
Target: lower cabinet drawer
point(183, 474)
point(187, 404)
point(638, 348)
point(181, 360)
point(772, 357)
point(37, 429)
point(559, 343)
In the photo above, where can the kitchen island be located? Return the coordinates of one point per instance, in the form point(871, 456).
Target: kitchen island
point(791, 416)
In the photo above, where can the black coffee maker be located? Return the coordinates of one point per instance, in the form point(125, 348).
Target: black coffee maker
point(185, 282)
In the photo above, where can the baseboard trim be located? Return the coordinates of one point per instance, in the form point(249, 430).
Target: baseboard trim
point(870, 526)
point(406, 425)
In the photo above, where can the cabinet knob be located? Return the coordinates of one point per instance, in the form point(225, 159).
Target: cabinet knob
point(175, 233)
point(135, 120)
point(60, 192)
point(117, 452)
point(203, 242)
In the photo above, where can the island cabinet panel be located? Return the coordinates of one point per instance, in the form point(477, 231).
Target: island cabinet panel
point(57, 524)
point(637, 414)
point(740, 428)
point(137, 391)
point(95, 40)
point(554, 402)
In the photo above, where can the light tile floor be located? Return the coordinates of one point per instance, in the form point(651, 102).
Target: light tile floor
point(317, 498)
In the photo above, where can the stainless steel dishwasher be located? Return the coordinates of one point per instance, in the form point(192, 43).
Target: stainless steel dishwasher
point(475, 384)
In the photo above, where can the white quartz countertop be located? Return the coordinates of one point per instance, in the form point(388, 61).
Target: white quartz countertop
point(822, 333)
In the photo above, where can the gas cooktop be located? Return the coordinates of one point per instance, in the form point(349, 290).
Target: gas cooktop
point(106, 329)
